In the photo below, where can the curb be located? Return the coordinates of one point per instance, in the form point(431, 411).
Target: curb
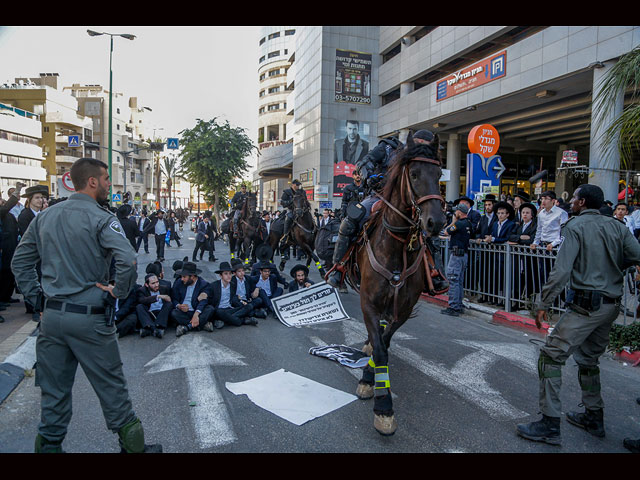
point(13, 368)
point(501, 317)
point(528, 324)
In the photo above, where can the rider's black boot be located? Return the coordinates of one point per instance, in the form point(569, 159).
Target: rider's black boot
point(345, 236)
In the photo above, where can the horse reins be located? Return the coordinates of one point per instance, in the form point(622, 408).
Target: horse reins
point(397, 280)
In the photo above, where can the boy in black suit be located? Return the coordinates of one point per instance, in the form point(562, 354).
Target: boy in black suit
point(228, 307)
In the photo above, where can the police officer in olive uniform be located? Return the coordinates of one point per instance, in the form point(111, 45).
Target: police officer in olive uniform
point(286, 200)
point(75, 241)
point(593, 255)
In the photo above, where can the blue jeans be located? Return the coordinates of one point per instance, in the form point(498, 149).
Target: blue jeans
point(455, 275)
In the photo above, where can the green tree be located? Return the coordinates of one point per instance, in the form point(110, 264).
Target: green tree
point(624, 133)
point(213, 155)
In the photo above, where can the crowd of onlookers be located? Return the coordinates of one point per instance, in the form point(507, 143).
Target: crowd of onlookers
point(531, 226)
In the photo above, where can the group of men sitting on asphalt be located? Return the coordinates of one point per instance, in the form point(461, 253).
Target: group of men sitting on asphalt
point(192, 303)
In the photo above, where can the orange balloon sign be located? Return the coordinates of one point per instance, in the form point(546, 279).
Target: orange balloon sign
point(484, 139)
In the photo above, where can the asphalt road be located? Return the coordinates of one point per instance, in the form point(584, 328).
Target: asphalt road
point(460, 385)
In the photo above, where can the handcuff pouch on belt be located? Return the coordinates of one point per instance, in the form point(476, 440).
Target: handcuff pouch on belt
point(110, 308)
point(586, 302)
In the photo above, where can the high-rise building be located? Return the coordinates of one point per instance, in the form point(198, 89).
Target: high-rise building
point(276, 47)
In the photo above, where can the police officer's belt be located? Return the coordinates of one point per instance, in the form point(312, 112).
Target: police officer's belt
point(74, 308)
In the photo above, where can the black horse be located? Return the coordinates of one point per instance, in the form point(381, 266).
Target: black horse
point(302, 234)
point(250, 229)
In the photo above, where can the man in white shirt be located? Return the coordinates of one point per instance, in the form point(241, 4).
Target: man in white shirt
point(621, 212)
point(154, 307)
point(550, 219)
point(266, 217)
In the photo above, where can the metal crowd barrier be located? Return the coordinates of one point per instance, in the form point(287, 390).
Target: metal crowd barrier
point(511, 277)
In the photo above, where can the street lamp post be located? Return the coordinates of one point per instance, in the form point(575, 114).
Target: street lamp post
point(93, 33)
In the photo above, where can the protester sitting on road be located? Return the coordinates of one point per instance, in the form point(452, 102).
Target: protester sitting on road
point(154, 307)
point(189, 312)
point(125, 317)
point(300, 275)
point(158, 270)
point(228, 308)
point(255, 271)
point(243, 287)
point(176, 267)
point(268, 284)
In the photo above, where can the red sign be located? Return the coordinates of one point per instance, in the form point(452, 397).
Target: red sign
point(67, 183)
point(309, 194)
point(473, 76)
point(484, 139)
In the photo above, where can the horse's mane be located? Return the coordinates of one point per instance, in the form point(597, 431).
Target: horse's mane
point(402, 158)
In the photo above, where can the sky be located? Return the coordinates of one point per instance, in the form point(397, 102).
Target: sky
point(181, 73)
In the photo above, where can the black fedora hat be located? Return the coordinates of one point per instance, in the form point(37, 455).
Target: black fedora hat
point(506, 206)
point(224, 267)
point(304, 268)
point(534, 209)
point(43, 189)
point(189, 268)
point(236, 264)
point(153, 268)
point(264, 264)
point(458, 200)
point(523, 195)
point(264, 252)
point(489, 197)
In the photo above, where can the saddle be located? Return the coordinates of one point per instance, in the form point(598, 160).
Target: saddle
point(436, 282)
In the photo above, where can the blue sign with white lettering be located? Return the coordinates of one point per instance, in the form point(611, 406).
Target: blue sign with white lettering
point(172, 143)
point(74, 140)
point(326, 204)
point(483, 173)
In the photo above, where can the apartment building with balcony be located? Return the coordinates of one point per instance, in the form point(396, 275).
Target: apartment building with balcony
point(59, 118)
point(20, 151)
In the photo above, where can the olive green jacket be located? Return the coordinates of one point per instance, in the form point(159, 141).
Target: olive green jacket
point(594, 252)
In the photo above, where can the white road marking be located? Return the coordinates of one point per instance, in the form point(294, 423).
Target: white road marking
point(196, 353)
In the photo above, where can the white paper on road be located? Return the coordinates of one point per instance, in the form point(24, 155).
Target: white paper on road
point(318, 303)
point(291, 397)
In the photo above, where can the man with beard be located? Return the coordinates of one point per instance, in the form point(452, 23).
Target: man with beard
point(75, 241)
point(190, 312)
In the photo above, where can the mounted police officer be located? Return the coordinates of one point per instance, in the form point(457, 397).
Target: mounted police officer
point(354, 192)
point(236, 204)
point(75, 242)
point(286, 200)
point(373, 167)
point(592, 257)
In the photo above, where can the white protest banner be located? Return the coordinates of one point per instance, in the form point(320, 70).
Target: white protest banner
point(318, 303)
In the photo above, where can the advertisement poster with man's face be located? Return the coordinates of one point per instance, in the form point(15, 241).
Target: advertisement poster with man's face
point(350, 145)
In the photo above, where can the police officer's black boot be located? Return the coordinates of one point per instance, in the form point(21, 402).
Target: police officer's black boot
point(131, 438)
point(591, 420)
point(42, 445)
point(631, 445)
point(546, 430)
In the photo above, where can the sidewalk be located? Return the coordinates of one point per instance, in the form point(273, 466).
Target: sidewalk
point(522, 320)
point(17, 352)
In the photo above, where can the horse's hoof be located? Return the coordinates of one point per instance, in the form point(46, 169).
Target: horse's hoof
point(364, 391)
point(385, 425)
point(367, 349)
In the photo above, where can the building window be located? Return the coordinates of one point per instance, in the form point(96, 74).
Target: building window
point(45, 129)
point(274, 35)
point(275, 106)
point(117, 110)
point(261, 59)
point(262, 94)
point(261, 110)
point(289, 32)
point(274, 54)
point(273, 73)
point(262, 40)
point(262, 77)
point(274, 89)
point(391, 96)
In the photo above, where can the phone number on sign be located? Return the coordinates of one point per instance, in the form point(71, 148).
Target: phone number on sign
point(349, 98)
